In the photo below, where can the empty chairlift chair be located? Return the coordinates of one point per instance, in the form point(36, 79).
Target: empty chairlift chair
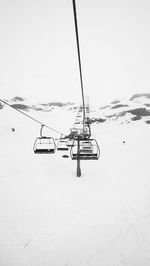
point(70, 143)
point(62, 145)
point(44, 145)
point(88, 150)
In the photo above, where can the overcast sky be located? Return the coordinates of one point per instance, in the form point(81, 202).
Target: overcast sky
point(38, 55)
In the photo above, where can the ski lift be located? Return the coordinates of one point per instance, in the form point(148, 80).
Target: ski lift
point(79, 133)
point(44, 145)
point(62, 145)
point(85, 150)
point(70, 143)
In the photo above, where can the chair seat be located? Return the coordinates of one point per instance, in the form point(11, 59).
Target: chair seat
point(85, 156)
point(44, 151)
point(89, 151)
point(62, 149)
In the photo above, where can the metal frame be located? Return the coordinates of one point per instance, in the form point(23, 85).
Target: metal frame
point(61, 147)
point(84, 152)
point(44, 150)
point(50, 142)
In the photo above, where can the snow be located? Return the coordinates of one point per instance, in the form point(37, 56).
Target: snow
point(48, 216)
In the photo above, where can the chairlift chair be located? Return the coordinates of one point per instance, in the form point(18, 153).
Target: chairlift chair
point(43, 144)
point(88, 150)
point(70, 143)
point(80, 133)
point(62, 145)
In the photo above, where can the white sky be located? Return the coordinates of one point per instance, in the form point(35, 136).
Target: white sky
point(38, 56)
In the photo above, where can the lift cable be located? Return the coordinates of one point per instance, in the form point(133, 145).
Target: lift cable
point(79, 59)
point(37, 121)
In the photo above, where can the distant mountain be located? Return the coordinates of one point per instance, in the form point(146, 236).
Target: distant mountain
point(18, 99)
point(119, 106)
point(20, 106)
point(114, 102)
point(27, 105)
point(146, 95)
point(122, 110)
point(58, 104)
point(1, 105)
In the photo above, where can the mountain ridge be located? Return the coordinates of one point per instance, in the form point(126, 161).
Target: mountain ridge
point(123, 110)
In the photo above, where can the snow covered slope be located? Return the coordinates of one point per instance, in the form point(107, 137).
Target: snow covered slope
point(49, 217)
point(124, 110)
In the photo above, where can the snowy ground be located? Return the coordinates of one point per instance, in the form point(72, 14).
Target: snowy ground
point(49, 217)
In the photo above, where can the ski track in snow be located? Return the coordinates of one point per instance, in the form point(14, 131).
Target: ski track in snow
point(48, 216)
